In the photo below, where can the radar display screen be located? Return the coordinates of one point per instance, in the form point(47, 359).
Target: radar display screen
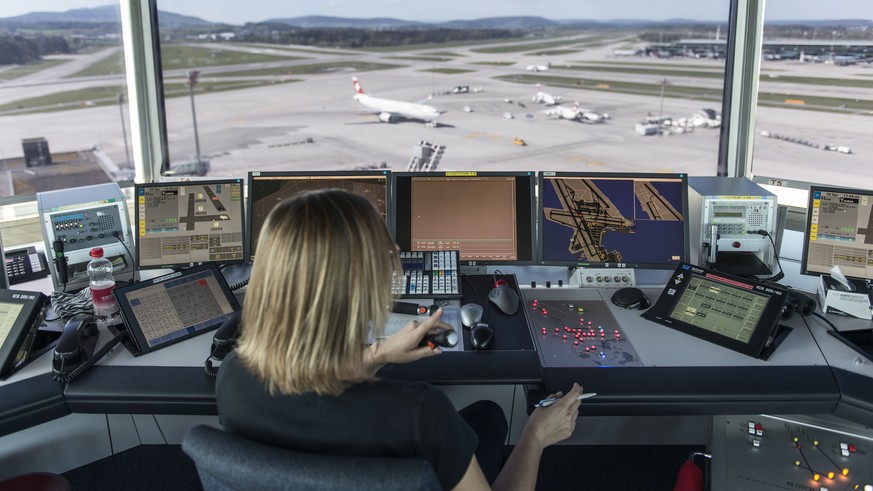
point(487, 216)
point(624, 220)
point(268, 189)
point(733, 312)
point(183, 224)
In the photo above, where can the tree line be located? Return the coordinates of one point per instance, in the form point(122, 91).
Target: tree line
point(20, 50)
point(366, 38)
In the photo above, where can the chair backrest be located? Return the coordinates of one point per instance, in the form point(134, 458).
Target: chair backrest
point(228, 462)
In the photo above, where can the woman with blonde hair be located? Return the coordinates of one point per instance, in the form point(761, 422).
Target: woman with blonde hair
point(303, 376)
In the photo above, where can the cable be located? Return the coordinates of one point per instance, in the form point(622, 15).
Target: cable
point(116, 235)
point(79, 370)
point(237, 286)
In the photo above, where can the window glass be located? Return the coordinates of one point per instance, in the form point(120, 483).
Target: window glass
point(265, 85)
point(63, 102)
point(815, 98)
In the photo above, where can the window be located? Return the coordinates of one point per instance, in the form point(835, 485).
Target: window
point(63, 107)
point(264, 85)
point(815, 97)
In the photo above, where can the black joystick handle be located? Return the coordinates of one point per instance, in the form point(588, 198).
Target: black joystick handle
point(446, 339)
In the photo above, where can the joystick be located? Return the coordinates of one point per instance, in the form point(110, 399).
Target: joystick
point(446, 339)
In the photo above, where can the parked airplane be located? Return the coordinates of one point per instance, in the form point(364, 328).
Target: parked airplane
point(538, 68)
point(577, 114)
point(390, 111)
point(545, 98)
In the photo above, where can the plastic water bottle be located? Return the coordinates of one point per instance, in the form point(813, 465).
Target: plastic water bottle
point(102, 283)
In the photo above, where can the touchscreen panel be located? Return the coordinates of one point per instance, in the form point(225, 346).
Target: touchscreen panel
point(174, 307)
point(733, 312)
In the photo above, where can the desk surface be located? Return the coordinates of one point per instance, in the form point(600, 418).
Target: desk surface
point(811, 372)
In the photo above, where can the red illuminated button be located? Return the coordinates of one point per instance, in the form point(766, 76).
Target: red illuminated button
point(737, 245)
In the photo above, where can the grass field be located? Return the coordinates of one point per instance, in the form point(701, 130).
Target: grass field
point(110, 65)
point(23, 70)
point(517, 48)
point(493, 63)
point(106, 95)
point(308, 69)
point(420, 58)
point(446, 71)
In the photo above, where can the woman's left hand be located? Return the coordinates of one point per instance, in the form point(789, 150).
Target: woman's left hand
point(403, 345)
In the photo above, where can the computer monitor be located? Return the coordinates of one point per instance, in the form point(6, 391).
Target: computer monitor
point(183, 224)
point(625, 220)
point(487, 216)
point(839, 232)
point(267, 189)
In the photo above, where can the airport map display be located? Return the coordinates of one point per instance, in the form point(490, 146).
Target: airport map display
point(189, 223)
point(611, 220)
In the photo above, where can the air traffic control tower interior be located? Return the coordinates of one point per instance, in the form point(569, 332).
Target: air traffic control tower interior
point(715, 309)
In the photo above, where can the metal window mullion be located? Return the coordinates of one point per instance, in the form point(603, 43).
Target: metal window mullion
point(139, 34)
point(741, 89)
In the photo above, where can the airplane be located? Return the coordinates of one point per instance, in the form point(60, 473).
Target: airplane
point(390, 111)
point(577, 114)
point(545, 98)
point(538, 68)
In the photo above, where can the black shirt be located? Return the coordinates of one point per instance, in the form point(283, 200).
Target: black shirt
point(384, 418)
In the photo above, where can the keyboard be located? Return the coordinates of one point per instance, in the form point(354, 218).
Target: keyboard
point(428, 274)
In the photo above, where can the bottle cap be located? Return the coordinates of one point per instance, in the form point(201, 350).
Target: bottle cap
point(97, 252)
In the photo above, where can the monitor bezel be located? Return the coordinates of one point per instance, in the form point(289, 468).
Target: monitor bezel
point(527, 211)
point(139, 186)
point(804, 270)
point(541, 179)
point(247, 254)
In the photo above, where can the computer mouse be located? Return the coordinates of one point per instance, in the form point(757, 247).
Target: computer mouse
point(482, 336)
point(504, 297)
point(471, 314)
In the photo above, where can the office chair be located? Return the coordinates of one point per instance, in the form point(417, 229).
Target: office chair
point(228, 462)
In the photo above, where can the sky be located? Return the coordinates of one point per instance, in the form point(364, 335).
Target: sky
point(238, 12)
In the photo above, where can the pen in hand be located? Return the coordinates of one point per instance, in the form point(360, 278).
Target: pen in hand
point(551, 400)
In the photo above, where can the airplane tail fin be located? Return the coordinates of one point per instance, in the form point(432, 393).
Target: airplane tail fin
point(358, 88)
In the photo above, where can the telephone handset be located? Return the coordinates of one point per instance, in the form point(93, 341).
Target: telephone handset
point(74, 352)
point(223, 342)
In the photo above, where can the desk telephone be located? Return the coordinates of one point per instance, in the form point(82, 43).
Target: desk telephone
point(25, 264)
point(75, 353)
point(223, 342)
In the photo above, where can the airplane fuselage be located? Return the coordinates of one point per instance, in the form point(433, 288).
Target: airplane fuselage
point(398, 108)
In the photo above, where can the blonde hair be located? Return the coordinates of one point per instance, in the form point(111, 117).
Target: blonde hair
point(321, 280)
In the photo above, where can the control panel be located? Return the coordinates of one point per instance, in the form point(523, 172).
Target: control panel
point(603, 277)
point(763, 452)
point(575, 328)
point(84, 229)
point(428, 274)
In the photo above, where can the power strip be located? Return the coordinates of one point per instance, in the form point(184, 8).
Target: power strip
point(603, 277)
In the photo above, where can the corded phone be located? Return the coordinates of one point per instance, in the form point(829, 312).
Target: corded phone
point(223, 342)
point(25, 264)
point(74, 352)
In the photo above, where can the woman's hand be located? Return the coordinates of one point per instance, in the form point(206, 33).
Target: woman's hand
point(552, 424)
point(403, 345)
